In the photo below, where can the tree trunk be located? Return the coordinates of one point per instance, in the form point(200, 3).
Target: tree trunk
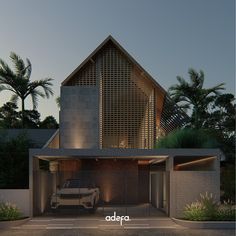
point(23, 112)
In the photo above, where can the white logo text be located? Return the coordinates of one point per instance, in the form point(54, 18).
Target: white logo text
point(117, 218)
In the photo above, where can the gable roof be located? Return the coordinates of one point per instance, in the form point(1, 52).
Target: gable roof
point(129, 57)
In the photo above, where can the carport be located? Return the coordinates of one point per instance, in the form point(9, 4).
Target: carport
point(137, 182)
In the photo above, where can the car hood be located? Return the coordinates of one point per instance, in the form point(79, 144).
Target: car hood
point(76, 190)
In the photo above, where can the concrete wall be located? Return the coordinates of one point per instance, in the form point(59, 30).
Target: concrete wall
point(79, 117)
point(186, 186)
point(43, 182)
point(19, 197)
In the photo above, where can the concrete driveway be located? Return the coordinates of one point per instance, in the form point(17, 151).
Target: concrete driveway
point(50, 223)
point(97, 225)
point(163, 226)
point(116, 232)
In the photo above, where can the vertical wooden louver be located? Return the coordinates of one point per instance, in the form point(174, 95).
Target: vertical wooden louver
point(133, 109)
point(127, 114)
point(126, 99)
point(85, 77)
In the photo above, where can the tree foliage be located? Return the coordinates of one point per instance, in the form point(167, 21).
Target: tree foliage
point(193, 97)
point(11, 118)
point(214, 112)
point(18, 82)
point(14, 162)
point(49, 123)
point(187, 138)
point(208, 109)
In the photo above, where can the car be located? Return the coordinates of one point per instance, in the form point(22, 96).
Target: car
point(76, 192)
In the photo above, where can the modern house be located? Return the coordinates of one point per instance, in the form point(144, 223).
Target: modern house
point(112, 112)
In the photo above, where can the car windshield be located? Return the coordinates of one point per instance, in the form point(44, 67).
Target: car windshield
point(78, 183)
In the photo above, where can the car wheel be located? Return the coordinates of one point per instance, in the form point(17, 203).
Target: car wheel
point(54, 210)
point(92, 210)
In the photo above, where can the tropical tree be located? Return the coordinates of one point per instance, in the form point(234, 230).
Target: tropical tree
point(14, 161)
point(193, 96)
point(222, 115)
point(49, 123)
point(9, 117)
point(31, 119)
point(58, 102)
point(18, 82)
point(220, 119)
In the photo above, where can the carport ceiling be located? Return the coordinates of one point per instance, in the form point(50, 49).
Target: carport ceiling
point(151, 159)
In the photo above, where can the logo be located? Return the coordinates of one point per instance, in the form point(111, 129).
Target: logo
point(117, 218)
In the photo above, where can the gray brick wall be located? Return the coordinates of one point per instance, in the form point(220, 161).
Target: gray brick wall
point(186, 187)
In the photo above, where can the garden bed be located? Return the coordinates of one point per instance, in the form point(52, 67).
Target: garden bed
point(205, 224)
point(12, 223)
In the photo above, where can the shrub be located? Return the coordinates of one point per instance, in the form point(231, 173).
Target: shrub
point(9, 211)
point(207, 208)
point(228, 182)
point(187, 138)
point(226, 211)
point(194, 211)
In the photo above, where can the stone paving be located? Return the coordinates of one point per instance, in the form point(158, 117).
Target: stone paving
point(88, 225)
point(116, 232)
point(51, 223)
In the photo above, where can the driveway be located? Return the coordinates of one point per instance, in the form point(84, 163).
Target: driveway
point(115, 232)
point(49, 226)
point(50, 223)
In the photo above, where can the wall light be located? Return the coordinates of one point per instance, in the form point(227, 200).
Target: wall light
point(197, 161)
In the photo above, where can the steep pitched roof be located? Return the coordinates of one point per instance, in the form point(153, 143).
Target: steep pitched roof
point(129, 57)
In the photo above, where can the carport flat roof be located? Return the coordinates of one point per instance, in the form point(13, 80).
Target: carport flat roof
point(49, 153)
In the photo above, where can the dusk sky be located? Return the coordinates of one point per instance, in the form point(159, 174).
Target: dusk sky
point(166, 37)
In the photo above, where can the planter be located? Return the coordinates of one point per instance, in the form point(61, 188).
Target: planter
point(205, 224)
point(12, 223)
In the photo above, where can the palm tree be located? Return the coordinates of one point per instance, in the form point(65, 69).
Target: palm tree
point(18, 82)
point(193, 96)
point(58, 101)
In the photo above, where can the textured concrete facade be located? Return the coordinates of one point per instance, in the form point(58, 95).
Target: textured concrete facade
point(79, 117)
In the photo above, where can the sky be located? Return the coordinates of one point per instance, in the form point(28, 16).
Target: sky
point(167, 37)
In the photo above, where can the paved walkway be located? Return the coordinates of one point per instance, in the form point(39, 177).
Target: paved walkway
point(51, 223)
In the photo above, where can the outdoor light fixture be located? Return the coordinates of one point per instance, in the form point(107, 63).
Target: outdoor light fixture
point(197, 161)
point(53, 166)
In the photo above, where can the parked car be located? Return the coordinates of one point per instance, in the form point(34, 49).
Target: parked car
point(76, 192)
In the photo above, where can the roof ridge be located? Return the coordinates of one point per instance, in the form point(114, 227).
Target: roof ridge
point(117, 44)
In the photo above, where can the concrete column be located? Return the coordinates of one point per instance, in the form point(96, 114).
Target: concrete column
point(170, 163)
point(31, 174)
point(170, 186)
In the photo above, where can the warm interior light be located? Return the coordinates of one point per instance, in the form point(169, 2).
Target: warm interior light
point(107, 193)
point(143, 162)
point(157, 161)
